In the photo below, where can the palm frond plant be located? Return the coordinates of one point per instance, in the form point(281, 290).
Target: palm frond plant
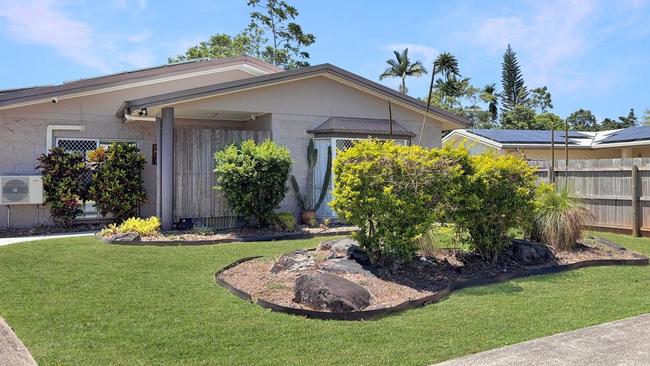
point(559, 218)
point(402, 67)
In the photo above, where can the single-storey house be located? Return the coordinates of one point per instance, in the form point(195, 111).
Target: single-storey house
point(630, 142)
point(180, 114)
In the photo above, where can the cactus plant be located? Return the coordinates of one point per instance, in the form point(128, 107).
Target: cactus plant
point(307, 203)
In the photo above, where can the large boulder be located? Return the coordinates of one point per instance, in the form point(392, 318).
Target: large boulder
point(343, 265)
point(530, 253)
point(326, 291)
point(294, 261)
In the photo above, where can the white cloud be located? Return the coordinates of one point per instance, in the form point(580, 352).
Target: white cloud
point(42, 22)
point(546, 35)
point(140, 37)
point(138, 5)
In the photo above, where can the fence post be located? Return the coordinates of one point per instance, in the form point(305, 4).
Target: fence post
point(551, 174)
point(636, 204)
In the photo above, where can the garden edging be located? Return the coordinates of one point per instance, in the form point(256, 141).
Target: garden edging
point(272, 237)
point(640, 260)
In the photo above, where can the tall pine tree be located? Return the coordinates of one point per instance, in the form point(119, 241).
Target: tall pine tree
point(512, 81)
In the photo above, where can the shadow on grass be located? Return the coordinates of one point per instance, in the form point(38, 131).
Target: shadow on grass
point(502, 288)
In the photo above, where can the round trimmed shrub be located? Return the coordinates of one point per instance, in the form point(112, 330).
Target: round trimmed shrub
point(253, 178)
point(393, 193)
point(499, 196)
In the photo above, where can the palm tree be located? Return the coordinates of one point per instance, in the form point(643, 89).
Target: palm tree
point(491, 97)
point(447, 65)
point(402, 67)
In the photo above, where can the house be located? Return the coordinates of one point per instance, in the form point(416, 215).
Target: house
point(630, 142)
point(180, 114)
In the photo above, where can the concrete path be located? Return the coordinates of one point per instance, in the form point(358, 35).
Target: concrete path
point(21, 239)
point(12, 351)
point(623, 342)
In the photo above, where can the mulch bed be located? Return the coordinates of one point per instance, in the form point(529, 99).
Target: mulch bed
point(424, 280)
point(235, 235)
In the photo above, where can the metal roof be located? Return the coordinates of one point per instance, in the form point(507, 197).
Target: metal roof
point(529, 136)
point(360, 126)
point(630, 134)
point(257, 81)
point(20, 95)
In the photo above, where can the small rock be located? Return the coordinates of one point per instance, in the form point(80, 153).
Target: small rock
point(124, 237)
point(359, 255)
point(294, 261)
point(337, 245)
point(530, 253)
point(330, 292)
point(343, 265)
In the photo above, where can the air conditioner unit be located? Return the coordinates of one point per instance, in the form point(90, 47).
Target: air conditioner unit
point(21, 190)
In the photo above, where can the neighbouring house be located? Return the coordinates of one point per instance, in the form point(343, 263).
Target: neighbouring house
point(630, 142)
point(180, 114)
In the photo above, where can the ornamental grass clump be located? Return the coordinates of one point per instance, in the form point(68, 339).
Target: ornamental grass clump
point(394, 193)
point(559, 218)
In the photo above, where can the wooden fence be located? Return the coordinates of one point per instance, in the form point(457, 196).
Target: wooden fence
point(194, 196)
point(616, 191)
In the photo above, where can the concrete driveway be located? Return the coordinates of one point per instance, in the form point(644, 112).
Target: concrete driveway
point(623, 342)
point(22, 239)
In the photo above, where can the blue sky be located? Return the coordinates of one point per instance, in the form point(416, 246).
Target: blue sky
point(591, 54)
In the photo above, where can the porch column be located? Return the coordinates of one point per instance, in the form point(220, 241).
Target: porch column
point(166, 169)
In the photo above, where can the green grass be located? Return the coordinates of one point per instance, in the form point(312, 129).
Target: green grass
point(78, 301)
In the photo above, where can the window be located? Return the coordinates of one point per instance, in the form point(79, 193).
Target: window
point(322, 144)
point(85, 146)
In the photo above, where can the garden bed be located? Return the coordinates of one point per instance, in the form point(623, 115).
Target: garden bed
point(231, 236)
point(48, 229)
point(424, 280)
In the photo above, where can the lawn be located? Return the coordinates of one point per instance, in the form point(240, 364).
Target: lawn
point(78, 301)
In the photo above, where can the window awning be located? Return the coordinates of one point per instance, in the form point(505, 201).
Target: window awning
point(362, 127)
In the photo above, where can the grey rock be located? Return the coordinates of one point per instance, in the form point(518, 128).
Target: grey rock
point(125, 237)
point(343, 265)
point(326, 291)
point(294, 261)
point(530, 253)
point(337, 245)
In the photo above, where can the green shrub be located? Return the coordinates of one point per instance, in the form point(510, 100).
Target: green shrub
point(559, 218)
point(64, 177)
point(143, 227)
point(117, 187)
point(285, 221)
point(499, 196)
point(394, 193)
point(253, 178)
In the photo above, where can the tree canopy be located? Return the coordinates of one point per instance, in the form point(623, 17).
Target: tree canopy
point(402, 67)
point(582, 120)
point(514, 91)
point(272, 36)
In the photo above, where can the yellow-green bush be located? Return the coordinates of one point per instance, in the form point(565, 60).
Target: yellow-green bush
point(499, 196)
point(143, 227)
point(393, 193)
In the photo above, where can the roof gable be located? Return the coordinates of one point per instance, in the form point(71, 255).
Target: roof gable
point(42, 94)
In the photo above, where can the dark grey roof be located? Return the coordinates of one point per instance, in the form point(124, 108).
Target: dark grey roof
point(360, 126)
point(630, 134)
point(209, 90)
point(35, 93)
point(527, 136)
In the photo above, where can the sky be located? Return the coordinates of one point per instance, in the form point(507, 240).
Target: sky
point(592, 54)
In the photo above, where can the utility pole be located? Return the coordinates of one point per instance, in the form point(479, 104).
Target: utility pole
point(433, 76)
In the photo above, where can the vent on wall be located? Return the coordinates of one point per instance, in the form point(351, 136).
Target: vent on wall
point(21, 190)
